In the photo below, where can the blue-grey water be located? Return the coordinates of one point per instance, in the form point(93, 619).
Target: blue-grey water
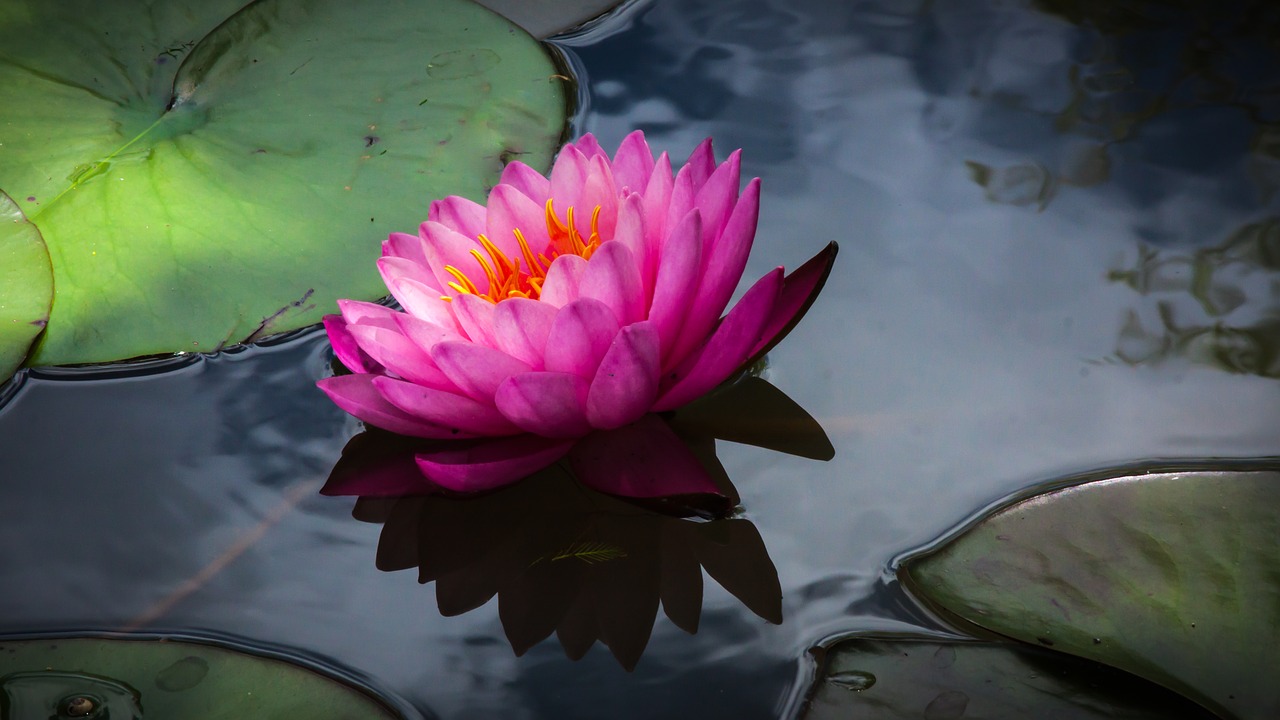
point(1060, 252)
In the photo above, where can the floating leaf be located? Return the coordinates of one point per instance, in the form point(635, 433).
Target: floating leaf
point(205, 175)
point(1171, 576)
point(170, 679)
point(887, 679)
point(26, 286)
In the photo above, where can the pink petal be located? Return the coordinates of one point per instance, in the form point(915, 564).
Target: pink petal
point(367, 313)
point(549, 404)
point(644, 459)
point(511, 210)
point(399, 355)
point(677, 280)
point(590, 147)
point(346, 348)
point(444, 247)
point(492, 463)
point(459, 214)
point(701, 163)
point(613, 278)
point(475, 317)
point(631, 232)
point(682, 196)
point(413, 287)
point(521, 328)
point(563, 280)
point(527, 180)
point(726, 349)
point(598, 191)
point(405, 246)
point(626, 384)
point(567, 178)
point(357, 395)
point(426, 334)
point(657, 200)
point(633, 163)
point(717, 198)
point(722, 271)
point(437, 407)
point(477, 370)
point(580, 336)
point(395, 475)
point(799, 290)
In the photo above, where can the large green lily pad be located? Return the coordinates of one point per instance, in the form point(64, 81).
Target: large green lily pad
point(205, 175)
point(912, 678)
point(26, 286)
point(132, 679)
point(1173, 576)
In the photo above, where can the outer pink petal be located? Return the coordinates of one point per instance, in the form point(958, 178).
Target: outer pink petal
point(677, 281)
point(404, 245)
point(476, 370)
point(546, 403)
point(357, 395)
point(644, 459)
point(527, 180)
point(490, 464)
point(799, 290)
point(580, 336)
point(590, 147)
point(717, 198)
point(358, 311)
point(722, 271)
point(563, 280)
point(726, 349)
point(682, 196)
point(521, 328)
point(464, 216)
point(701, 163)
point(633, 163)
point(475, 317)
point(400, 355)
point(346, 348)
point(626, 384)
point(613, 278)
point(446, 409)
point(444, 247)
point(511, 210)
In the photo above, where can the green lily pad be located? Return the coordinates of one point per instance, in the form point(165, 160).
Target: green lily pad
point(205, 175)
point(177, 680)
point(914, 678)
point(26, 286)
point(1173, 576)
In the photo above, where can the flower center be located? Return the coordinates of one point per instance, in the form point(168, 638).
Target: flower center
point(523, 276)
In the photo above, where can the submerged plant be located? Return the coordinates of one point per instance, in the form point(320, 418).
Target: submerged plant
point(568, 308)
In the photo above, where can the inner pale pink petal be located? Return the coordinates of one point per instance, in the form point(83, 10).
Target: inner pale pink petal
point(359, 311)
point(626, 383)
point(475, 317)
point(563, 280)
point(580, 336)
point(356, 395)
point(400, 355)
point(511, 210)
point(406, 246)
point(631, 232)
point(521, 328)
point(613, 278)
point(567, 178)
point(598, 191)
point(527, 180)
point(492, 463)
point(677, 281)
point(426, 334)
point(476, 370)
point(633, 163)
point(438, 407)
point(464, 216)
point(657, 200)
point(726, 349)
point(422, 302)
point(550, 404)
point(444, 247)
point(644, 459)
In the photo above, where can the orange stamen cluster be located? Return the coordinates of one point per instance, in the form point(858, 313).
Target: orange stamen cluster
point(523, 276)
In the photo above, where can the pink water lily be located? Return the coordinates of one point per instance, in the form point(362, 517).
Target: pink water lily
point(567, 308)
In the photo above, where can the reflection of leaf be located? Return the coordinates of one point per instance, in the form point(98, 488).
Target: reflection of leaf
point(26, 286)
point(198, 168)
point(591, 552)
point(910, 678)
point(1021, 185)
point(1171, 576)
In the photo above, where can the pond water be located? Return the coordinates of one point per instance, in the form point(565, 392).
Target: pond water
point(1060, 253)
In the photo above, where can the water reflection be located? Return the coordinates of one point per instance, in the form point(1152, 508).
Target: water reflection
point(1218, 306)
point(564, 558)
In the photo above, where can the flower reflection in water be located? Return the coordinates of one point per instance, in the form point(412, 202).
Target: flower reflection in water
point(564, 558)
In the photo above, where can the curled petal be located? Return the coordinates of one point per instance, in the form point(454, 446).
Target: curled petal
point(491, 464)
point(476, 370)
point(726, 349)
point(799, 290)
point(357, 395)
point(549, 404)
point(613, 278)
point(580, 336)
point(459, 214)
point(626, 384)
point(564, 278)
point(521, 328)
point(458, 413)
point(643, 459)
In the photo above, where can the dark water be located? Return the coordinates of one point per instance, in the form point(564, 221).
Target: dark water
point(1060, 252)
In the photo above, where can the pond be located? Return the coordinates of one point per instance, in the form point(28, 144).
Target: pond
point(1058, 227)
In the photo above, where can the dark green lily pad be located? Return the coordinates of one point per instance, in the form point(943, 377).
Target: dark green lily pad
point(168, 679)
point(910, 679)
point(205, 175)
point(26, 286)
point(1172, 576)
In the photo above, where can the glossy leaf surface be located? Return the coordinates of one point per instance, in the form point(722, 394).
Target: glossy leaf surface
point(26, 286)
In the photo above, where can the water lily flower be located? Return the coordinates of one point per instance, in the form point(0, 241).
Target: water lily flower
point(553, 319)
